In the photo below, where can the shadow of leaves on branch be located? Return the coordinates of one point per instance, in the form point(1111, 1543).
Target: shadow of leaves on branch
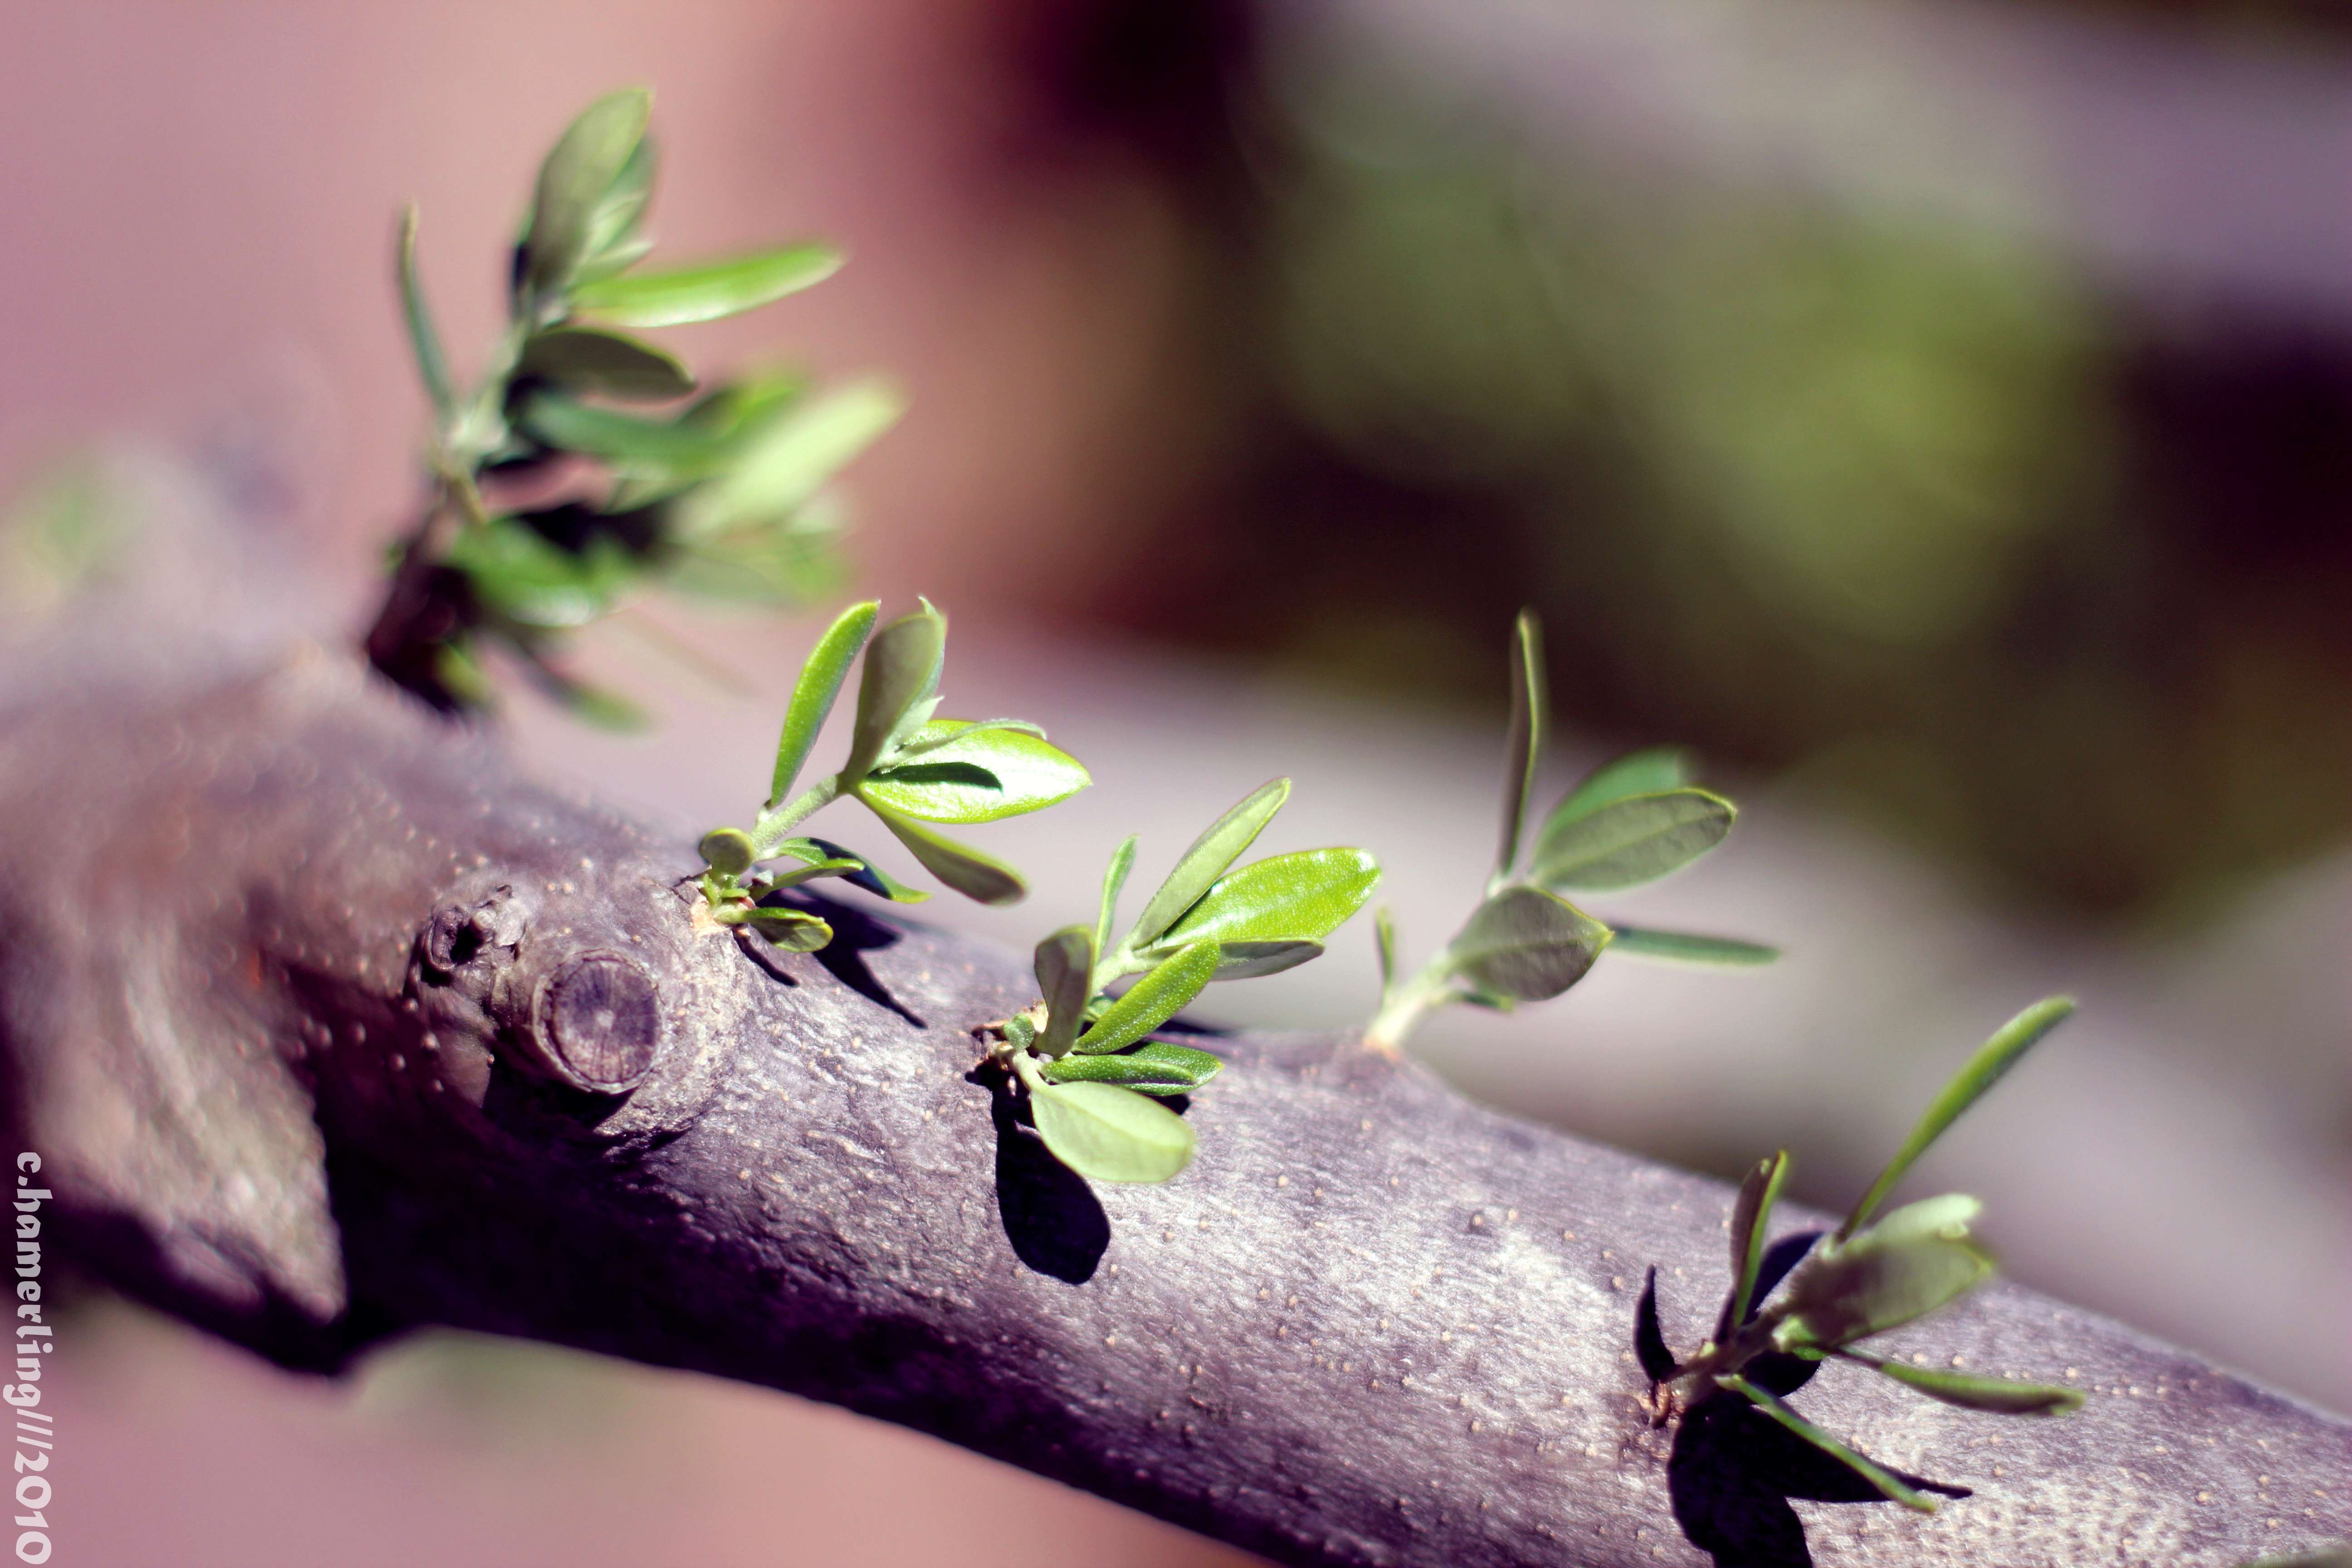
point(1051, 1218)
point(1733, 1470)
point(855, 935)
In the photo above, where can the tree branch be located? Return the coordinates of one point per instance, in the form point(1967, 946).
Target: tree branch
point(299, 986)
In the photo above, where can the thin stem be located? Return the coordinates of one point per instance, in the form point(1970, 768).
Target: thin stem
point(406, 624)
point(775, 826)
point(454, 461)
point(1024, 1068)
point(459, 484)
point(1724, 1358)
point(419, 633)
point(469, 439)
point(1403, 1008)
point(1117, 965)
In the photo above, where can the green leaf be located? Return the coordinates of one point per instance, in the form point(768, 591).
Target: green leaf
point(791, 564)
point(952, 732)
point(727, 850)
point(1020, 1031)
point(961, 867)
point(1157, 1067)
point(746, 402)
point(1653, 772)
point(1751, 1217)
point(784, 461)
point(1300, 897)
point(622, 439)
point(1526, 745)
point(1065, 968)
point(521, 576)
point(846, 866)
point(1992, 1060)
point(1111, 1134)
point(819, 683)
point(976, 776)
point(1385, 936)
point(710, 435)
point(1152, 1000)
point(614, 259)
point(432, 363)
point(872, 879)
point(794, 931)
point(582, 359)
point(1526, 944)
point(902, 671)
point(1250, 960)
point(1122, 861)
point(1684, 947)
point(1876, 1475)
point(1628, 842)
point(706, 292)
point(1217, 848)
point(615, 240)
point(1947, 1216)
point(1911, 1263)
point(572, 182)
point(1995, 1396)
point(593, 705)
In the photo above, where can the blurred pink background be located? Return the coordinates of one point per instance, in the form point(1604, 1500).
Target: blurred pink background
point(1938, 412)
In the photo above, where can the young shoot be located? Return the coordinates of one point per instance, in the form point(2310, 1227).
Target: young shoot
point(1086, 1062)
point(905, 766)
point(551, 503)
point(1632, 821)
point(1863, 1279)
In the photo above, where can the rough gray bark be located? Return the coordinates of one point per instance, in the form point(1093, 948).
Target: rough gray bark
point(298, 989)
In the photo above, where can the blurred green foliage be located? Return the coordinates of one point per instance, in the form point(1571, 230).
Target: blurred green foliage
point(61, 532)
point(1912, 508)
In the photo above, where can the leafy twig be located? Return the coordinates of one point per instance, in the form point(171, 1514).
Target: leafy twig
point(907, 767)
point(720, 496)
point(1086, 1060)
point(1633, 821)
point(1860, 1281)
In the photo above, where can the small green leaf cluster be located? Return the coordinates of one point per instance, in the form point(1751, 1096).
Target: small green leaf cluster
point(1632, 821)
point(905, 765)
point(717, 493)
point(1861, 1280)
point(1086, 1060)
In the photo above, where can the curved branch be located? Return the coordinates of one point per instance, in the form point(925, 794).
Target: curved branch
point(300, 988)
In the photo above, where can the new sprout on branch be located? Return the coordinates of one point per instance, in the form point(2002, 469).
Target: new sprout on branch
point(1632, 821)
point(1086, 1062)
point(904, 765)
point(721, 496)
point(1861, 1279)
